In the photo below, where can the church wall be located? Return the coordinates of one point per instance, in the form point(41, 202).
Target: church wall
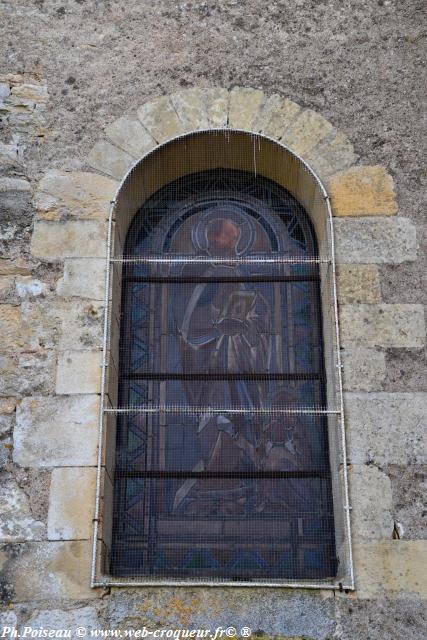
point(71, 73)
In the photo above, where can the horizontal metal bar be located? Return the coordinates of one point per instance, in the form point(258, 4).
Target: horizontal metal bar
point(297, 584)
point(221, 410)
point(223, 376)
point(220, 279)
point(250, 475)
point(210, 260)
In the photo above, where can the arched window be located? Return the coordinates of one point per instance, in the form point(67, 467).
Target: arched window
point(220, 401)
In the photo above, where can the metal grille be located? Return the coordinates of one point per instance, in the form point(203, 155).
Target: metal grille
point(222, 467)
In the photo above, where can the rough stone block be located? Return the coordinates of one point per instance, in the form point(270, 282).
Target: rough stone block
point(44, 571)
point(14, 184)
point(14, 334)
point(386, 428)
point(54, 619)
point(276, 116)
point(306, 132)
point(28, 287)
point(109, 159)
point(244, 107)
point(364, 369)
point(363, 191)
point(160, 119)
point(6, 425)
point(71, 503)
point(329, 157)
point(391, 568)
point(216, 101)
point(190, 108)
point(14, 267)
point(75, 193)
point(27, 373)
point(53, 241)
point(7, 405)
point(371, 499)
point(16, 521)
point(7, 287)
point(129, 134)
point(78, 372)
point(56, 432)
point(83, 278)
point(373, 240)
point(383, 325)
point(358, 283)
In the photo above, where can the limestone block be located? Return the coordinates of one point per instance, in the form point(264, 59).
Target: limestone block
point(42, 571)
point(14, 267)
point(6, 425)
point(363, 191)
point(31, 92)
point(329, 157)
point(7, 287)
point(276, 116)
point(109, 159)
point(81, 326)
point(129, 134)
point(14, 333)
point(83, 278)
point(216, 101)
point(373, 240)
point(71, 503)
point(358, 283)
point(190, 108)
point(363, 369)
point(53, 241)
point(306, 132)
point(56, 431)
point(391, 568)
point(27, 373)
point(386, 428)
point(160, 119)
point(371, 499)
point(78, 372)
point(54, 619)
point(16, 521)
point(75, 193)
point(244, 107)
point(14, 184)
point(7, 405)
point(384, 325)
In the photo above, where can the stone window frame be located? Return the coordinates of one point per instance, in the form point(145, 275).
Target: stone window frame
point(309, 189)
point(69, 229)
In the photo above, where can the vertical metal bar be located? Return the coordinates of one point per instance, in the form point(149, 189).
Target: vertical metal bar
point(102, 397)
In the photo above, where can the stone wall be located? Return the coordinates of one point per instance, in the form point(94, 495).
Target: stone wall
point(56, 183)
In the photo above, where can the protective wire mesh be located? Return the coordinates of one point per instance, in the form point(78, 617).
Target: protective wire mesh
point(218, 401)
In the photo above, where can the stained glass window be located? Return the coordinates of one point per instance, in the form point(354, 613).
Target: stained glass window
point(225, 474)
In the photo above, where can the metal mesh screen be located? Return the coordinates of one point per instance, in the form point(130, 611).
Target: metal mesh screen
point(218, 402)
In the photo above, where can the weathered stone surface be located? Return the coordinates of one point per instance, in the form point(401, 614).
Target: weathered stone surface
point(7, 405)
point(190, 108)
point(373, 240)
point(129, 134)
point(363, 191)
point(244, 107)
point(83, 278)
point(28, 287)
point(160, 119)
point(8, 619)
point(56, 432)
point(46, 571)
point(109, 159)
point(71, 503)
point(272, 613)
point(276, 116)
point(53, 619)
point(78, 372)
point(409, 490)
point(386, 428)
point(329, 157)
point(371, 499)
point(384, 325)
point(14, 267)
point(81, 326)
point(392, 567)
point(14, 184)
point(364, 369)
point(75, 193)
point(306, 132)
point(358, 283)
point(216, 101)
point(27, 373)
point(6, 425)
point(7, 287)
point(31, 92)
point(53, 241)
point(11, 328)
point(16, 521)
